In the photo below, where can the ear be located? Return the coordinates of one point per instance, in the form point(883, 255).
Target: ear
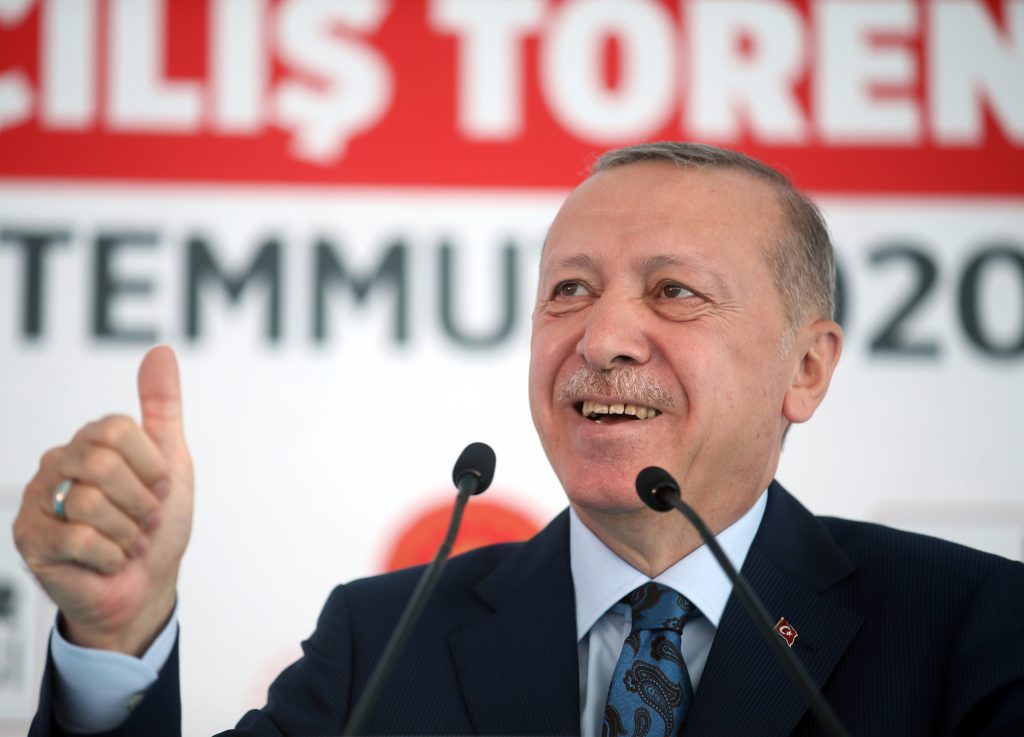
point(818, 345)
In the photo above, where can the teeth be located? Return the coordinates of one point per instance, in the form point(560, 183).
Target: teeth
point(592, 409)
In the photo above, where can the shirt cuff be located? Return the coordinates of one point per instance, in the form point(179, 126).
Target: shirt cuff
point(96, 690)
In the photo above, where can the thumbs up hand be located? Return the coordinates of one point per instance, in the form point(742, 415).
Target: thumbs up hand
point(109, 556)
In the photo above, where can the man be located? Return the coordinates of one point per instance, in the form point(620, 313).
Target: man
point(683, 319)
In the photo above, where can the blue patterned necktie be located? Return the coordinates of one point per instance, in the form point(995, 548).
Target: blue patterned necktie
point(650, 691)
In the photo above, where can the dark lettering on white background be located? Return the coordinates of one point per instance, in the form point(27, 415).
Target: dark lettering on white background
point(895, 335)
point(507, 288)
point(982, 291)
point(110, 285)
point(331, 270)
point(35, 247)
point(972, 319)
point(204, 268)
point(253, 281)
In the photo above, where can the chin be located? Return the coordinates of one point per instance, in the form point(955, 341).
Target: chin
point(603, 494)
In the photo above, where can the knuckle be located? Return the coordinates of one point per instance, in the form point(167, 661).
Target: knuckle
point(107, 558)
point(51, 458)
point(99, 464)
point(86, 502)
point(85, 432)
point(35, 558)
point(146, 506)
point(22, 538)
point(113, 429)
point(25, 530)
point(129, 537)
point(84, 542)
point(138, 505)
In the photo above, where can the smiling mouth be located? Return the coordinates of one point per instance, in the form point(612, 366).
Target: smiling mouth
point(599, 412)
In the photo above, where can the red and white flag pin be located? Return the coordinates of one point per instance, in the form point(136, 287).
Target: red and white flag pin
point(786, 631)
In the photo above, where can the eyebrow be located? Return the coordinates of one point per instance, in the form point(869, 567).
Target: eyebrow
point(579, 261)
point(649, 264)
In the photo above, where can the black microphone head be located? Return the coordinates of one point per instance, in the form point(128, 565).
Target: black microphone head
point(650, 482)
point(477, 460)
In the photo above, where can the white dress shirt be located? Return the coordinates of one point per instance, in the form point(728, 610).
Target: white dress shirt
point(96, 689)
point(601, 579)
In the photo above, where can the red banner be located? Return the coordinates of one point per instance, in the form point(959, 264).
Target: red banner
point(848, 96)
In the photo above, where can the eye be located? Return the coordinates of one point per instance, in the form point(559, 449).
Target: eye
point(571, 289)
point(672, 290)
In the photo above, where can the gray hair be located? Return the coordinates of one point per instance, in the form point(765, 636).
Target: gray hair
point(803, 260)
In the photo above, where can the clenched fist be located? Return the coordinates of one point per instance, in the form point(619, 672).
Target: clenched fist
point(111, 564)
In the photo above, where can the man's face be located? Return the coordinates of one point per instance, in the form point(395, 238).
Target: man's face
point(654, 274)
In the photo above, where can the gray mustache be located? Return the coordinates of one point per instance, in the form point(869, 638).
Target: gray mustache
point(628, 383)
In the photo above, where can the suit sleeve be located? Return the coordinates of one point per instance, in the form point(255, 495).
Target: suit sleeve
point(309, 697)
point(158, 714)
point(985, 677)
point(312, 695)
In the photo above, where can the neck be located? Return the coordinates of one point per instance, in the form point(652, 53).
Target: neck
point(650, 542)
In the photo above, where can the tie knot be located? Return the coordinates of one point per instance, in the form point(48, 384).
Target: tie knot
point(657, 607)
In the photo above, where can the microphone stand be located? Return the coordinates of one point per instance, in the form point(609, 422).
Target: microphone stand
point(664, 494)
point(469, 482)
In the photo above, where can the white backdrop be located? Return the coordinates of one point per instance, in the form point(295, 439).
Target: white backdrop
point(313, 453)
point(309, 459)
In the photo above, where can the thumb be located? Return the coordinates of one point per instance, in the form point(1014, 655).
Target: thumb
point(160, 398)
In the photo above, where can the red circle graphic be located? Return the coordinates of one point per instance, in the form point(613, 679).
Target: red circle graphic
point(483, 523)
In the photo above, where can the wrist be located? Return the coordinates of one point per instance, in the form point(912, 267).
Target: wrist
point(132, 637)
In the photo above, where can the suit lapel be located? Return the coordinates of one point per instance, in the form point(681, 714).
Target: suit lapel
point(517, 663)
point(791, 563)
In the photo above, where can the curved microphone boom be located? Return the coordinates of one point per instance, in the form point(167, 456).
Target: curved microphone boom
point(472, 474)
point(659, 491)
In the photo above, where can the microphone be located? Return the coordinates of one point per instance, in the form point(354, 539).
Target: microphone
point(659, 491)
point(475, 466)
point(472, 474)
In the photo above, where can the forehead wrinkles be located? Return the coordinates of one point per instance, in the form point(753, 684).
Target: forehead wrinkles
point(581, 260)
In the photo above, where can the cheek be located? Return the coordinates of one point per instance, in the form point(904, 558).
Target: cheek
point(750, 387)
point(547, 357)
point(552, 345)
point(720, 378)
point(541, 368)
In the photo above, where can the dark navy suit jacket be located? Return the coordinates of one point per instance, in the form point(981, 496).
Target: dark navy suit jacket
point(907, 635)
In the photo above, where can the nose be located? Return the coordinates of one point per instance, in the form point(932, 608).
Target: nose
point(614, 333)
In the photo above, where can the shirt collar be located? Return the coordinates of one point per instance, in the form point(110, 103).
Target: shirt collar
point(601, 578)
